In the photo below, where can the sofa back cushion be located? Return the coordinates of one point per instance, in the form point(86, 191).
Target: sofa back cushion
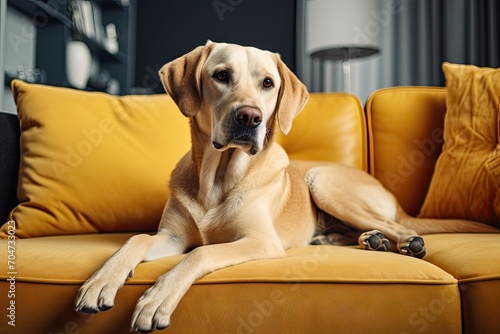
point(405, 130)
point(331, 127)
point(92, 162)
point(466, 182)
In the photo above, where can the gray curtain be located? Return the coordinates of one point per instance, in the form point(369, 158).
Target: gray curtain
point(416, 38)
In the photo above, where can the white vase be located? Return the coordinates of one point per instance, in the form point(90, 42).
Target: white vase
point(78, 64)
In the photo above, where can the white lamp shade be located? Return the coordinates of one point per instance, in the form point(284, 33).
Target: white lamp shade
point(339, 25)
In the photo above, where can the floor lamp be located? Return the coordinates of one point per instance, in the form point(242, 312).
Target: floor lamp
point(342, 30)
point(345, 54)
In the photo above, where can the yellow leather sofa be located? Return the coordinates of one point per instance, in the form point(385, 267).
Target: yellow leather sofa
point(315, 289)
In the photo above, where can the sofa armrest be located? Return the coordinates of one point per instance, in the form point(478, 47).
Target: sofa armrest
point(9, 163)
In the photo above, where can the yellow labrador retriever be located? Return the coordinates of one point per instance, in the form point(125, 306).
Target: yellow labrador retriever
point(235, 197)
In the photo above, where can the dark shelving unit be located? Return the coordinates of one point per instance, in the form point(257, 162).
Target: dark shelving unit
point(40, 11)
point(54, 29)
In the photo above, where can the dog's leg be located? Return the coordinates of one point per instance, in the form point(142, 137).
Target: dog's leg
point(98, 292)
point(155, 307)
point(359, 200)
point(174, 236)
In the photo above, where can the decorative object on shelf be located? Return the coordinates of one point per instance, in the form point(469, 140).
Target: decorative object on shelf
point(342, 30)
point(101, 80)
point(87, 21)
point(111, 39)
point(113, 86)
point(88, 29)
point(78, 64)
point(35, 75)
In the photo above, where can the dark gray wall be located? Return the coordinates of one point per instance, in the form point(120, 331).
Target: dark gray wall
point(169, 29)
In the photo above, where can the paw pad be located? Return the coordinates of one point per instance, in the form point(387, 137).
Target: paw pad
point(412, 246)
point(374, 240)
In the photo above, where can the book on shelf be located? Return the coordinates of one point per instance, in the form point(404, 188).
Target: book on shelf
point(87, 19)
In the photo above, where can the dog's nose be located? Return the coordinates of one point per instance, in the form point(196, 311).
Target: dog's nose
point(248, 117)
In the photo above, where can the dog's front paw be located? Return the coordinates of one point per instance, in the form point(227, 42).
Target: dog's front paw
point(98, 293)
point(94, 296)
point(151, 312)
point(412, 246)
point(375, 241)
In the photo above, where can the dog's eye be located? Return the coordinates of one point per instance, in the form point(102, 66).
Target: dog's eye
point(222, 76)
point(267, 83)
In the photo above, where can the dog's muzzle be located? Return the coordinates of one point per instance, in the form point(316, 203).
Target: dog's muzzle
point(246, 121)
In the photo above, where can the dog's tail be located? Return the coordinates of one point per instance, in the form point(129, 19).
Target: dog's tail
point(431, 226)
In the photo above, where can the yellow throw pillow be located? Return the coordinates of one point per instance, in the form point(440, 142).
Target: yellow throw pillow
point(466, 180)
point(92, 162)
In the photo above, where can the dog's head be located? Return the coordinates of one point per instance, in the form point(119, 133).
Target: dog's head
point(233, 93)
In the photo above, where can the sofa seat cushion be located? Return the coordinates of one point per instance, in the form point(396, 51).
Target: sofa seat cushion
point(313, 288)
point(474, 259)
point(72, 259)
point(451, 251)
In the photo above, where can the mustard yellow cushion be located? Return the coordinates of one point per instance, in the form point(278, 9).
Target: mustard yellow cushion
point(92, 162)
point(466, 180)
point(311, 135)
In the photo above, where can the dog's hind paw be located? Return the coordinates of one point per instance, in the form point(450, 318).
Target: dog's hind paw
point(412, 246)
point(374, 240)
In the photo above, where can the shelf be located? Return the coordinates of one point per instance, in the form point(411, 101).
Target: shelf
point(40, 11)
point(102, 53)
point(110, 4)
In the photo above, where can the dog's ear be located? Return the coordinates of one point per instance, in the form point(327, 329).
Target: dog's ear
point(292, 96)
point(181, 79)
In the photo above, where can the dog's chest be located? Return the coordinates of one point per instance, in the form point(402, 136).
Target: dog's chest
point(221, 175)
